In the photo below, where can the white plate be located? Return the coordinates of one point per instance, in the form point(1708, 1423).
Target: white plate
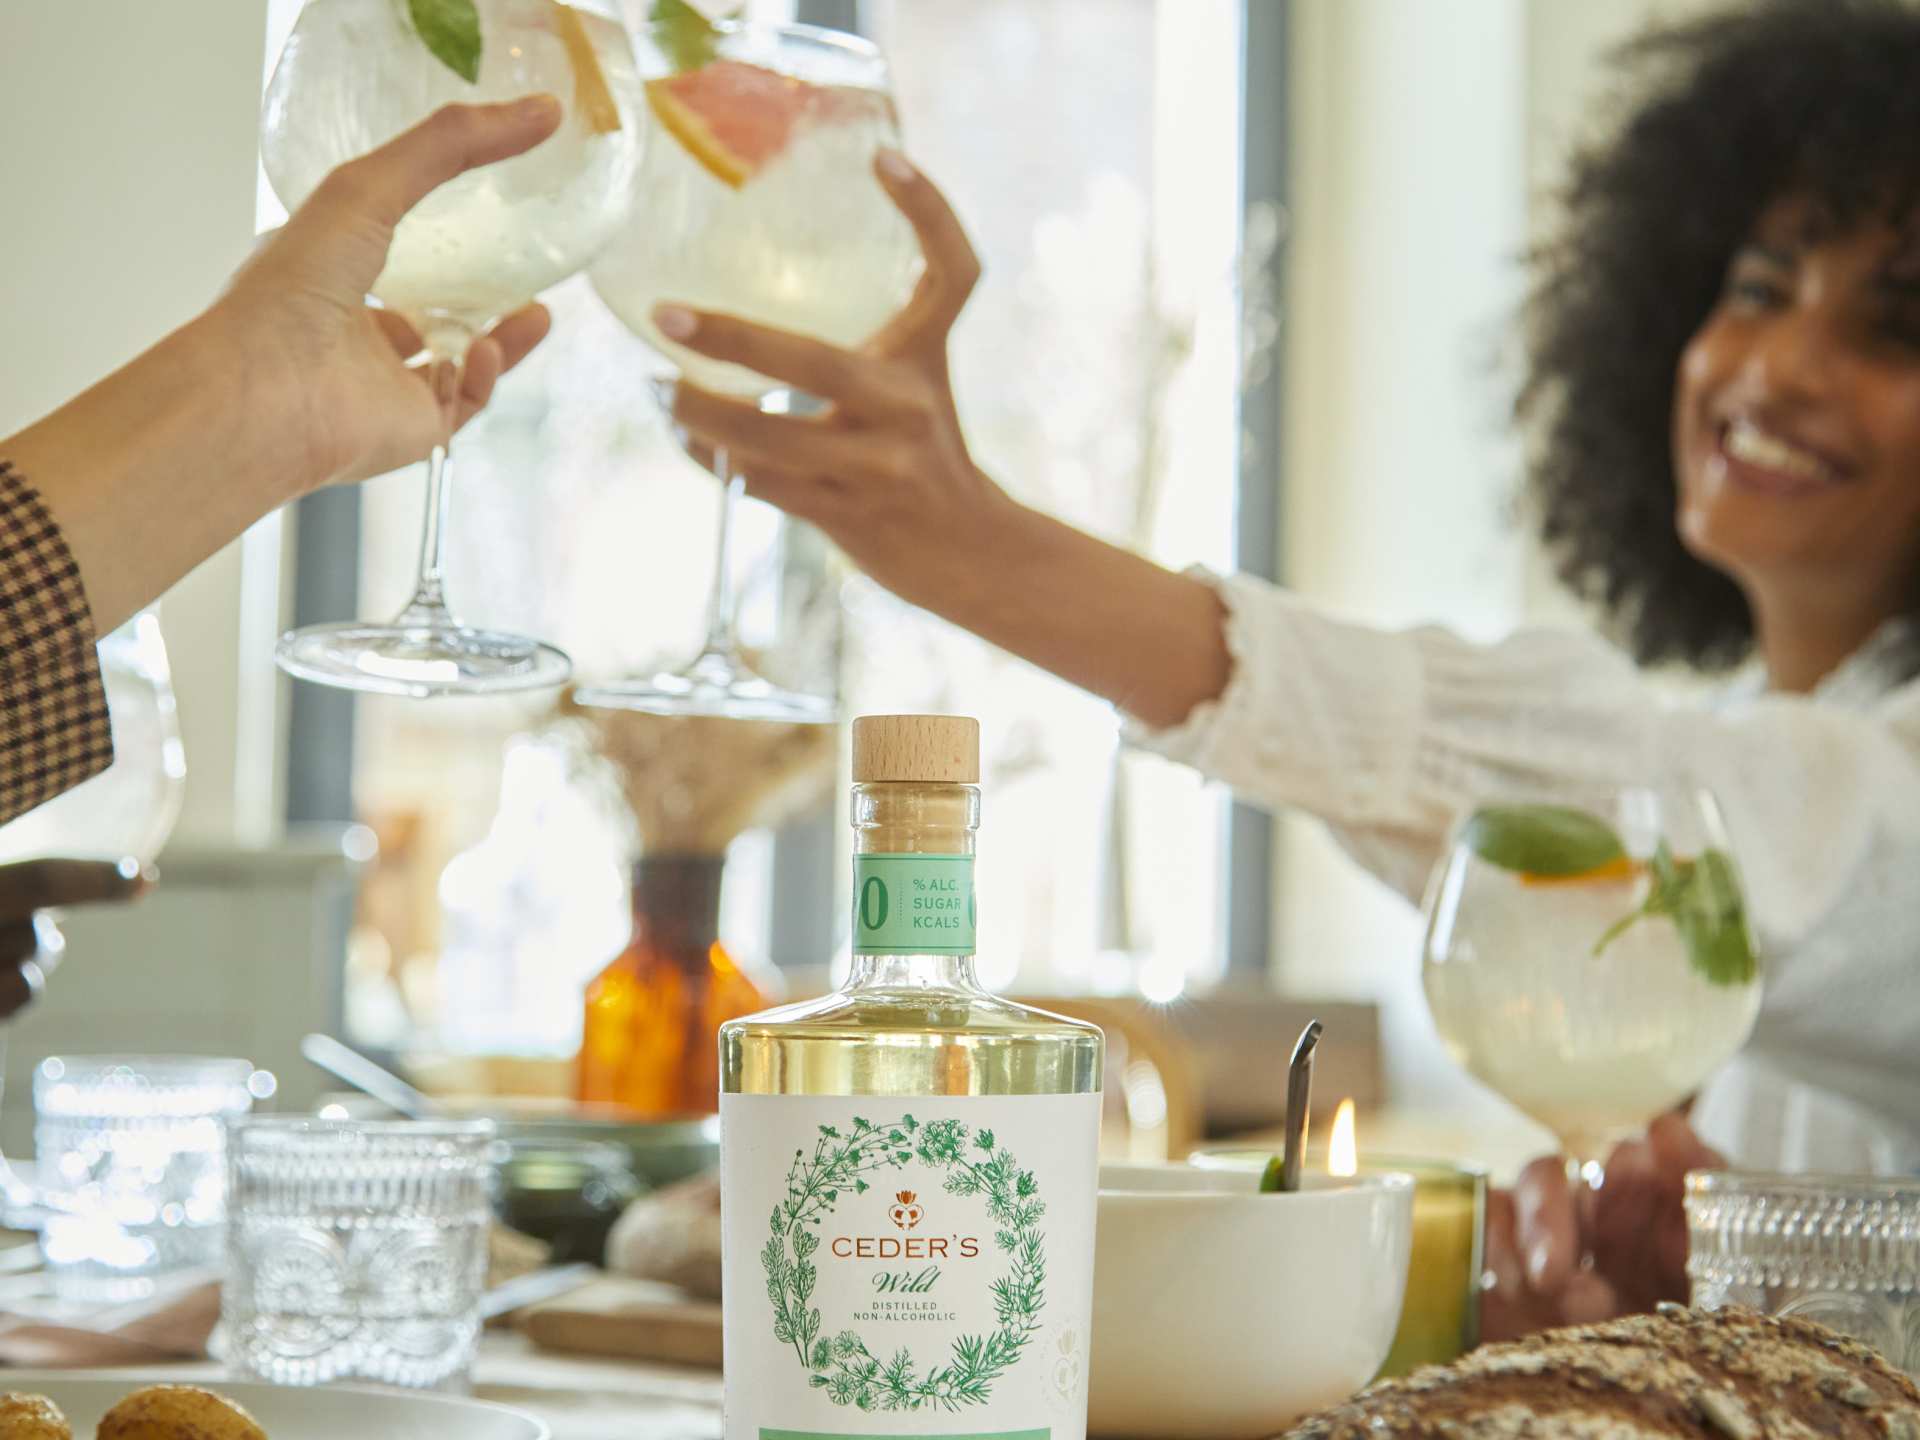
point(289, 1413)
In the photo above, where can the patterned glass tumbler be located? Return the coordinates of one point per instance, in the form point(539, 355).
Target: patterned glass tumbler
point(1843, 1250)
point(357, 1250)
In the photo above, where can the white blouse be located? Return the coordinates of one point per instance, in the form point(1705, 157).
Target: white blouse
point(1389, 736)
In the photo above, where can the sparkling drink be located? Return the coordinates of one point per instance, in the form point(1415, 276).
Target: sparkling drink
point(927, 1152)
point(356, 73)
point(353, 76)
point(809, 243)
point(1593, 1000)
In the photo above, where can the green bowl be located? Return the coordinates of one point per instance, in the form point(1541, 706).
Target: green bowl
point(661, 1151)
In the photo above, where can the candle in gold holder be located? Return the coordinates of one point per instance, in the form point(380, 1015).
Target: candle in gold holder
point(1440, 1318)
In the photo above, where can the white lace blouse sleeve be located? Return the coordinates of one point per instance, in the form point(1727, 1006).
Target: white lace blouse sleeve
point(1387, 736)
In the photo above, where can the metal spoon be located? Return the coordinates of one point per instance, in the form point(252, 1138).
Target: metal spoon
point(1299, 1103)
point(357, 1070)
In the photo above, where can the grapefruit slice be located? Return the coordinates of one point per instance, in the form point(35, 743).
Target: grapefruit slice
point(733, 117)
point(592, 97)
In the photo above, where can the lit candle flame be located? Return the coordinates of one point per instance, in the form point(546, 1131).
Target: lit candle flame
point(1342, 1153)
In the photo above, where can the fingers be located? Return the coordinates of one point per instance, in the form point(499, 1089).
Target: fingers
point(497, 352)
point(813, 366)
point(518, 333)
point(952, 267)
point(1506, 1271)
point(1676, 1149)
point(19, 941)
point(1587, 1299)
point(20, 986)
point(1509, 1307)
point(384, 184)
point(406, 340)
point(1622, 1212)
point(477, 376)
point(755, 440)
point(1547, 1229)
point(37, 884)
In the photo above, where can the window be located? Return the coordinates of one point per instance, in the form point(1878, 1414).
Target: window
point(1097, 370)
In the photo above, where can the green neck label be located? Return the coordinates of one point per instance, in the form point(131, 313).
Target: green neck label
point(913, 905)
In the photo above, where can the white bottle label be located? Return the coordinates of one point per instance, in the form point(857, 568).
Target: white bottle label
point(898, 1266)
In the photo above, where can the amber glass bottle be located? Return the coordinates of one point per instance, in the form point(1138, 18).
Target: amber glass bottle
point(654, 1014)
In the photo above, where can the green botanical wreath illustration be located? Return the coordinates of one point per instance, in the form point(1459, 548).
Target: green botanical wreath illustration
point(841, 1364)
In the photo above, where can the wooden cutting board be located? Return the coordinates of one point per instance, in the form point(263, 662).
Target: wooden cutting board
point(632, 1319)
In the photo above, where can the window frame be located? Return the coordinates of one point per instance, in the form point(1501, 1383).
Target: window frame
point(325, 568)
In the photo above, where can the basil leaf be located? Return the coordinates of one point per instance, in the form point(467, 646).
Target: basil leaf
point(1702, 898)
point(451, 30)
point(1708, 914)
point(1551, 840)
point(687, 38)
point(1270, 1177)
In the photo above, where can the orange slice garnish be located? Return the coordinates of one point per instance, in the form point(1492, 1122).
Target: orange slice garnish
point(1616, 871)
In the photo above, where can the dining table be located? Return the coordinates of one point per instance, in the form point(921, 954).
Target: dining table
point(580, 1398)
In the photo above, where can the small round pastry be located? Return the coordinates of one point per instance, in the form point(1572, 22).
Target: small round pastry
point(178, 1412)
point(31, 1417)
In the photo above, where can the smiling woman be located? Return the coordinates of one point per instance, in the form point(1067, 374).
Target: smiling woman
point(1723, 392)
point(1797, 433)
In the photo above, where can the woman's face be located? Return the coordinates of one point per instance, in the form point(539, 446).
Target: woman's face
point(1797, 413)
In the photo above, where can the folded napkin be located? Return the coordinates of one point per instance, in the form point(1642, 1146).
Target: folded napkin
point(38, 1330)
point(173, 1325)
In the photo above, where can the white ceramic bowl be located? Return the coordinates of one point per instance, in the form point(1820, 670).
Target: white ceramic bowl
point(1223, 1314)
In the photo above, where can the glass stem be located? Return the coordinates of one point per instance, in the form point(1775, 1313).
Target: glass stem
point(1584, 1176)
point(447, 344)
point(721, 599)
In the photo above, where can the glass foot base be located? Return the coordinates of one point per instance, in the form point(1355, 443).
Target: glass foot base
point(714, 686)
point(421, 660)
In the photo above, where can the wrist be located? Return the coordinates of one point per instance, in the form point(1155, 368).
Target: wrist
point(950, 568)
point(247, 375)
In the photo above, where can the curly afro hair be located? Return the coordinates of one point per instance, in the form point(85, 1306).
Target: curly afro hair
point(1812, 98)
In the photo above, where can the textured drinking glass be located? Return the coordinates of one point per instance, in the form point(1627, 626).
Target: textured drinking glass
point(358, 1249)
point(1843, 1250)
point(131, 1167)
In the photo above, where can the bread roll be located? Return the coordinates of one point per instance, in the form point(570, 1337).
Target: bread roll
point(1725, 1375)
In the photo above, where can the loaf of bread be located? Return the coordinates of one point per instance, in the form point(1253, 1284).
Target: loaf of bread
point(1725, 1375)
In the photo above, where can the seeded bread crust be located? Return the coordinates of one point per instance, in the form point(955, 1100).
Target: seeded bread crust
point(1726, 1375)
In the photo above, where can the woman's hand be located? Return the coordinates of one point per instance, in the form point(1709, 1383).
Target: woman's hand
point(27, 939)
point(1564, 1257)
point(885, 470)
point(886, 474)
point(298, 308)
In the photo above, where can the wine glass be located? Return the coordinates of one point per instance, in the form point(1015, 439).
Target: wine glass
point(127, 811)
point(354, 74)
point(1589, 958)
point(755, 196)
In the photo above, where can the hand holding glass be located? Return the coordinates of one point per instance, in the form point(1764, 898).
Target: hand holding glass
point(792, 231)
point(1591, 961)
point(353, 75)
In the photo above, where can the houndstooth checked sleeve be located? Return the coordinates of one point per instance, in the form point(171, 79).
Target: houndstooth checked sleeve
point(53, 706)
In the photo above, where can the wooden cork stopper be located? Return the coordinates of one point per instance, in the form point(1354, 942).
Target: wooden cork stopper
point(929, 749)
